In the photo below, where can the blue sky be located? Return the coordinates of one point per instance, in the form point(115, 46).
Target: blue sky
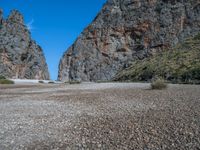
point(54, 24)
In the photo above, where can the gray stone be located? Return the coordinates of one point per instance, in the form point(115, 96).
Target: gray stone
point(20, 56)
point(126, 30)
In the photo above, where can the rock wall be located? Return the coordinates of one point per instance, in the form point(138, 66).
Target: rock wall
point(125, 30)
point(20, 56)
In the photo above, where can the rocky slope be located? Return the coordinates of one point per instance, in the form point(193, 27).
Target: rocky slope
point(20, 56)
point(126, 30)
point(178, 65)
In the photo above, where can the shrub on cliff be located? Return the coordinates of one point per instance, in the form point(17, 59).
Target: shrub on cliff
point(2, 77)
point(178, 65)
point(6, 81)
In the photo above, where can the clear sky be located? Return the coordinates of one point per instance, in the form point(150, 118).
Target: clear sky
point(54, 24)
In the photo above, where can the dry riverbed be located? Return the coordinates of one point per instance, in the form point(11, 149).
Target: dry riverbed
point(99, 116)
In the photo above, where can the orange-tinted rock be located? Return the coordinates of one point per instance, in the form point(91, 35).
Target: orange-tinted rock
point(126, 30)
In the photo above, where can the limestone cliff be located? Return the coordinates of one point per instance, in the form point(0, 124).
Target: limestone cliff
point(126, 30)
point(20, 56)
point(180, 64)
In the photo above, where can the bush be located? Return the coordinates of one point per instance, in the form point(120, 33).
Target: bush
point(41, 81)
point(158, 84)
point(2, 77)
point(6, 81)
point(102, 81)
point(74, 82)
point(51, 82)
point(197, 37)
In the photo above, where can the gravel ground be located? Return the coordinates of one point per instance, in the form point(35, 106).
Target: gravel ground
point(99, 116)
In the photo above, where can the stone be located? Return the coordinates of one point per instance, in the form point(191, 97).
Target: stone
point(127, 30)
point(20, 56)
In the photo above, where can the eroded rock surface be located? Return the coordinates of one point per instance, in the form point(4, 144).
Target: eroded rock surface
point(125, 30)
point(20, 56)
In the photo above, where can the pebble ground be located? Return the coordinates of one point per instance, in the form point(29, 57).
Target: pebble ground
point(102, 116)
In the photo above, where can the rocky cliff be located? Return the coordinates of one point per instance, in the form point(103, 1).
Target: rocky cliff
point(20, 56)
point(181, 64)
point(126, 30)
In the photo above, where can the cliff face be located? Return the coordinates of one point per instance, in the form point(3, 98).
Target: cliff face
point(20, 56)
point(125, 30)
point(180, 64)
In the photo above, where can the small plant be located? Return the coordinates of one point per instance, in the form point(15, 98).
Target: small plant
point(74, 82)
point(158, 9)
point(2, 77)
point(101, 81)
point(51, 82)
point(41, 81)
point(197, 37)
point(6, 81)
point(158, 84)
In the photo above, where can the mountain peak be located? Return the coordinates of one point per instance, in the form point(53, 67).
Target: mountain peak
point(20, 56)
point(16, 16)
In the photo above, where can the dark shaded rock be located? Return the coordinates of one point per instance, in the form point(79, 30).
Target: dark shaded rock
point(1, 16)
point(20, 56)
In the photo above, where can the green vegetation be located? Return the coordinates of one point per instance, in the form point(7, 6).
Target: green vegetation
point(103, 81)
point(41, 81)
point(51, 82)
point(6, 81)
point(74, 82)
point(2, 77)
point(178, 65)
point(158, 84)
point(3, 80)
